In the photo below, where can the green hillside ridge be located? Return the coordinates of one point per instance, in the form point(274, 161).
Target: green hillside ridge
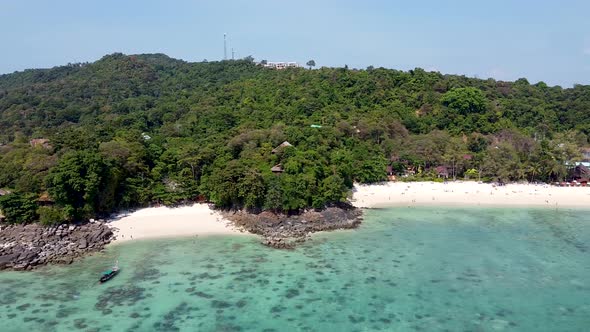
point(128, 131)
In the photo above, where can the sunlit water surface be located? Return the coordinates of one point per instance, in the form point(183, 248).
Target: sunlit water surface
point(404, 269)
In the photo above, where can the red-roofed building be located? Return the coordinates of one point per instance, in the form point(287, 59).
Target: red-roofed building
point(442, 171)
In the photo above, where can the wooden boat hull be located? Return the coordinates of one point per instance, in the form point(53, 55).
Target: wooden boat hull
point(108, 277)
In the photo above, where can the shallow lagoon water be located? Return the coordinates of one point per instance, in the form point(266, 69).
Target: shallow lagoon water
point(404, 269)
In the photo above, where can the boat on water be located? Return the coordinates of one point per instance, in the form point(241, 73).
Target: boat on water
point(109, 274)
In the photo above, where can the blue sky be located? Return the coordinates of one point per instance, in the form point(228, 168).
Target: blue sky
point(504, 39)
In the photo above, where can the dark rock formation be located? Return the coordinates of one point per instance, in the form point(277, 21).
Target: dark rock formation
point(23, 247)
point(286, 231)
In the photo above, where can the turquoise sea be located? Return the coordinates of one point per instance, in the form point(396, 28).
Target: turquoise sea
point(404, 269)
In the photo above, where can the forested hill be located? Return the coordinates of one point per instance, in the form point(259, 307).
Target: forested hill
point(127, 131)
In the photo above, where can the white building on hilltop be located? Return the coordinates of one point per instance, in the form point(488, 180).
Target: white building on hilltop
point(280, 65)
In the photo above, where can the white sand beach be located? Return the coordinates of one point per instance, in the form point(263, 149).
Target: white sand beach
point(200, 219)
point(469, 194)
point(158, 222)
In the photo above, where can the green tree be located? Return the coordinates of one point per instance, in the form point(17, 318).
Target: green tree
point(251, 189)
point(310, 63)
point(76, 183)
point(333, 190)
point(19, 208)
point(465, 100)
point(49, 215)
point(453, 156)
point(471, 173)
point(274, 194)
point(501, 162)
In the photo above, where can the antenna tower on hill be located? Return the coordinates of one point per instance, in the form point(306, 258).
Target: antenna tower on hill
point(225, 46)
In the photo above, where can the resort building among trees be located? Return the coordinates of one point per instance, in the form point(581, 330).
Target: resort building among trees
point(281, 147)
point(280, 65)
point(277, 169)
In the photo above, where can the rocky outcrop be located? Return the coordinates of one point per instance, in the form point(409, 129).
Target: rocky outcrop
point(24, 247)
point(286, 231)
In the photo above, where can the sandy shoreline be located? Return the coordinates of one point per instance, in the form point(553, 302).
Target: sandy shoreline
point(467, 193)
point(161, 222)
point(200, 219)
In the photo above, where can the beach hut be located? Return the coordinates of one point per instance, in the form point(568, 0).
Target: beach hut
point(45, 199)
point(281, 146)
point(442, 172)
point(581, 172)
point(277, 169)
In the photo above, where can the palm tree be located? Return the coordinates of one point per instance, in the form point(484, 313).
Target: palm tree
point(521, 172)
point(534, 169)
point(556, 169)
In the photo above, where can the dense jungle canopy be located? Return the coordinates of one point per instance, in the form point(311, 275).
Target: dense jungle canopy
point(128, 131)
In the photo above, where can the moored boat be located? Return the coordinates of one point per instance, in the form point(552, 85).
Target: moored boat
point(110, 274)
